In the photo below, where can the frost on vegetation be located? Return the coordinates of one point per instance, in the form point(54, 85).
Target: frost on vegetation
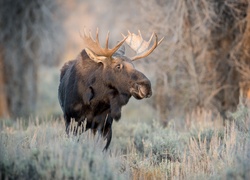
point(157, 143)
point(44, 152)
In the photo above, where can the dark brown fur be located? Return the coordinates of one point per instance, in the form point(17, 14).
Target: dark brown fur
point(96, 92)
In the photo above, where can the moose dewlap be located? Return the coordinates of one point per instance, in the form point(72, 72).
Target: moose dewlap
point(95, 86)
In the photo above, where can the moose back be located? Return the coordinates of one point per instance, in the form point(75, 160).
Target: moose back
point(95, 86)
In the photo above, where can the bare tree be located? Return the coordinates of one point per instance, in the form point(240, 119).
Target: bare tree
point(30, 35)
point(196, 66)
point(3, 101)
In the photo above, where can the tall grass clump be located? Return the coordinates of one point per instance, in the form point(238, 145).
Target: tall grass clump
point(203, 149)
point(42, 151)
point(156, 143)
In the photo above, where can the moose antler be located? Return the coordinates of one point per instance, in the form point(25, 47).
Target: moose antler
point(94, 45)
point(140, 46)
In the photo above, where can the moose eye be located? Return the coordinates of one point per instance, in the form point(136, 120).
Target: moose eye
point(119, 66)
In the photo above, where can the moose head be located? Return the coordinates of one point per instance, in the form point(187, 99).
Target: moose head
point(118, 70)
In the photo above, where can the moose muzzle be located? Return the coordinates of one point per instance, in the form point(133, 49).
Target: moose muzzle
point(141, 89)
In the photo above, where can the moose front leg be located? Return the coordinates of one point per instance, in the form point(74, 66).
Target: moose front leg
point(102, 123)
point(67, 120)
point(106, 130)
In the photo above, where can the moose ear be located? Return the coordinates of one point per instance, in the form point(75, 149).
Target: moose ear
point(120, 51)
point(94, 56)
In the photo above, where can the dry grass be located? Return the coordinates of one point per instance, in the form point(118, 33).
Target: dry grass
point(207, 152)
point(42, 151)
point(39, 149)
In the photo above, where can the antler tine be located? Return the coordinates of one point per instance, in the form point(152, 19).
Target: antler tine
point(151, 38)
point(160, 41)
point(90, 36)
point(123, 35)
point(84, 32)
point(97, 36)
point(141, 39)
point(80, 34)
point(119, 44)
point(94, 45)
point(107, 41)
point(139, 32)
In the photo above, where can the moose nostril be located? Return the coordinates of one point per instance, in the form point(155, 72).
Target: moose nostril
point(134, 77)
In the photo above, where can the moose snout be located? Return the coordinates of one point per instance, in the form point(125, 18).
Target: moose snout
point(141, 90)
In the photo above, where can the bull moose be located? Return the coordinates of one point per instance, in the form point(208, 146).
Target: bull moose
point(95, 86)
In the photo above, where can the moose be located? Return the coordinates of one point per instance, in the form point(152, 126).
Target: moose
point(94, 87)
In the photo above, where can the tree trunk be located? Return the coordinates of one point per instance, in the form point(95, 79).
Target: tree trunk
point(30, 33)
point(4, 111)
point(21, 84)
point(245, 83)
point(161, 100)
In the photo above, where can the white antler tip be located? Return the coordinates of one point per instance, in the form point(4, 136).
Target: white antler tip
point(139, 32)
point(160, 41)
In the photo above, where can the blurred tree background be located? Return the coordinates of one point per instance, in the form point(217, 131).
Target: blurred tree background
point(31, 35)
point(202, 63)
